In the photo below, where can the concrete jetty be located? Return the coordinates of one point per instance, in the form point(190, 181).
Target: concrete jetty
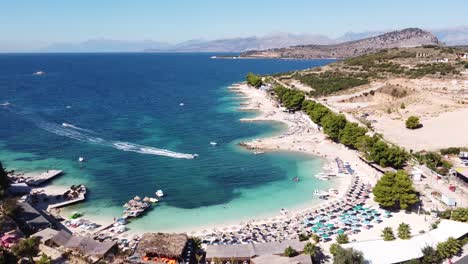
point(73, 195)
point(34, 178)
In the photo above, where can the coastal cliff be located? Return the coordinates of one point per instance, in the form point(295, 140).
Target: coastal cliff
point(410, 37)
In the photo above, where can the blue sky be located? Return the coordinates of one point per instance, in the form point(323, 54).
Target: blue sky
point(34, 24)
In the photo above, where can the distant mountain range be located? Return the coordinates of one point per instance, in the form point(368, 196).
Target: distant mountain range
point(410, 37)
point(449, 36)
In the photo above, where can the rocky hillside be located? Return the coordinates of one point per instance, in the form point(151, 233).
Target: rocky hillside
point(410, 37)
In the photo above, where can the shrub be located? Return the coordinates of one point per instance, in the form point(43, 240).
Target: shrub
point(290, 252)
point(303, 237)
point(413, 122)
point(342, 239)
point(334, 248)
point(459, 214)
point(310, 249)
point(387, 234)
point(449, 248)
point(402, 106)
point(404, 231)
point(450, 151)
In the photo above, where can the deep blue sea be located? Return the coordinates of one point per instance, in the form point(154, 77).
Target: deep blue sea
point(122, 113)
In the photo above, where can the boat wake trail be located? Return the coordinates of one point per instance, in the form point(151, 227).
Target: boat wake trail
point(86, 135)
point(77, 128)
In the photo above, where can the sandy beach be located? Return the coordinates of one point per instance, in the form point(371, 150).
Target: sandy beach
point(304, 136)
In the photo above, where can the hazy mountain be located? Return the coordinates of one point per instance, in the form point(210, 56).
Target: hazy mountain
point(276, 40)
point(410, 37)
point(452, 36)
point(105, 45)
point(352, 36)
point(449, 36)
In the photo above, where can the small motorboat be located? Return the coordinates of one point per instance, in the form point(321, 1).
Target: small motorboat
point(258, 152)
point(296, 179)
point(81, 159)
point(153, 200)
point(181, 104)
point(39, 73)
point(213, 143)
point(159, 193)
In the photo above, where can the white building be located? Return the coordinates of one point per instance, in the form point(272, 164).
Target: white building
point(396, 251)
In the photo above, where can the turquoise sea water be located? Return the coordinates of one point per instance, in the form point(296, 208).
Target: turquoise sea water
point(122, 113)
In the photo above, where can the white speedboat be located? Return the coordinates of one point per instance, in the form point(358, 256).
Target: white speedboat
point(213, 143)
point(81, 159)
point(258, 152)
point(39, 73)
point(159, 193)
point(181, 104)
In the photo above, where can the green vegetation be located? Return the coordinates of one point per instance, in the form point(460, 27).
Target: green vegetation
point(254, 80)
point(289, 98)
point(413, 122)
point(434, 161)
point(404, 231)
point(333, 125)
point(387, 234)
point(334, 248)
point(351, 134)
point(376, 150)
point(452, 150)
point(331, 81)
point(395, 190)
point(340, 130)
point(44, 260)
point(310, 249)
point(290, 252)
point(27, 248)
point(402, 106)
point(449, 248)
point(7, 257)
point(430, 256)
point(315, 238)
point(460, 214)
point(378, 59)
point(315, 111)
point(346, 256)
point(303, 237)
point(342, 239)
point(423, 69)
point(4, 182)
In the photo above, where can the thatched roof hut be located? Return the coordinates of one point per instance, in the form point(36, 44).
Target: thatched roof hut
point(162, 245)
